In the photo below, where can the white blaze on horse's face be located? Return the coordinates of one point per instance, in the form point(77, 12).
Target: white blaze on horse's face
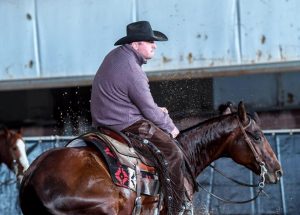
point(23, 158)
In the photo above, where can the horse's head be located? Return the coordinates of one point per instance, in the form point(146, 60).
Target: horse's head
point(251, 148)
point(13, 152)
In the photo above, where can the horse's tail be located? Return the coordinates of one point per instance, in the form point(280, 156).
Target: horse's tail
point(30, 201)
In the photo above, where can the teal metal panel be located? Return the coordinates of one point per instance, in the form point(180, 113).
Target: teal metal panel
point(201, 33)
point(16, 40)
point(270, 30)
point(75, 35)
point(42, 39)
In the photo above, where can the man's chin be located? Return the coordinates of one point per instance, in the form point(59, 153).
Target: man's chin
point(149, 57)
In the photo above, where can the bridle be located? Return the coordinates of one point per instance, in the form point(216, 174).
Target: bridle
point(15, 164)
point(259, 160)
point(263, 169)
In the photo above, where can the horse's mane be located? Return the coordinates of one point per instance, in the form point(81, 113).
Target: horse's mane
point(195, 140)
point(212, 127)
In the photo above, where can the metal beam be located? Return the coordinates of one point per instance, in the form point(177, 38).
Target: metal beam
point(235, 70)
point(207, 72)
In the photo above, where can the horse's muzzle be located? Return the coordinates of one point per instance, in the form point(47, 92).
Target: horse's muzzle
point(278, 174)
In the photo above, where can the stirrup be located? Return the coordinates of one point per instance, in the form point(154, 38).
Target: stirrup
point(187, 208)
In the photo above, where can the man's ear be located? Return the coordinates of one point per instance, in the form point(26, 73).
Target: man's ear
point(134, 45)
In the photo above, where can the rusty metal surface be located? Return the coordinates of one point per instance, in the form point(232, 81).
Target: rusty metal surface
point(205, 36)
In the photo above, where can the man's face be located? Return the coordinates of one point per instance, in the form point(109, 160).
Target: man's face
point(145, 48)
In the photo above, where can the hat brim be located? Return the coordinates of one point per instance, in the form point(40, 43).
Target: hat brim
point(157, 36)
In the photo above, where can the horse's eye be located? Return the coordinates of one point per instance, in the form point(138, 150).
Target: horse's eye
point(255, 136)
point(14, 148)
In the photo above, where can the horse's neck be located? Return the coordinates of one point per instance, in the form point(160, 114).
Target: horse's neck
point(206, 142)
point(4, 151)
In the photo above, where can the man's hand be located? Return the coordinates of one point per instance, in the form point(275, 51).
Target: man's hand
point(175, 132)
point(165, 110)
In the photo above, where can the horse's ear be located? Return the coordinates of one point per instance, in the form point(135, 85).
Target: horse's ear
point(256, 118)
point(6, 132)
point(20, 131)
point(227, 111)
point(242, 112)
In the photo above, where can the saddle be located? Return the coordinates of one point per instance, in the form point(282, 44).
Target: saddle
point(127, 167)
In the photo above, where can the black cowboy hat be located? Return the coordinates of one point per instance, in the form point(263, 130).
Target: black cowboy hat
point(141, 31)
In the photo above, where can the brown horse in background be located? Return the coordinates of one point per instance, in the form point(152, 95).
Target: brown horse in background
point(68, 181)
point(12, 152)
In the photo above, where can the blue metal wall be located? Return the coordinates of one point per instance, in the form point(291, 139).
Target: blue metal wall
point(260, 91)
point(282, 198)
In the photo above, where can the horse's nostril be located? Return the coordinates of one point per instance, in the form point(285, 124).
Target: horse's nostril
point(278, 173)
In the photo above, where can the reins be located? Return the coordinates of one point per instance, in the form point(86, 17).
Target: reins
point(232, 179)
point(15, 165)
point(263, 171)
point(260, 189)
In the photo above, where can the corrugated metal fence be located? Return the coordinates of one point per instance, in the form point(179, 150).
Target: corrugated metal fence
point(279, 199)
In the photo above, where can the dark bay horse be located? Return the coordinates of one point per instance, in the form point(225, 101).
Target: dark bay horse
point(12, 152)
point(76, 180)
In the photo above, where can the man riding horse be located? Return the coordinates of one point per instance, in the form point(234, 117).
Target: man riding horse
point(121, 100)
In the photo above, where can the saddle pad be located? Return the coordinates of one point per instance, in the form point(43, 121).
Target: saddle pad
point(122, 175)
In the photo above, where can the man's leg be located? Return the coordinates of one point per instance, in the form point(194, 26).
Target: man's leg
point(170, 150)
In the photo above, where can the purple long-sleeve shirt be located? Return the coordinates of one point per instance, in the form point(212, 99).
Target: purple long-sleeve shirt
point(121, 95)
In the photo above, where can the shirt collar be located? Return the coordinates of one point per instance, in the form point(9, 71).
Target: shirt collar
point(139, 58)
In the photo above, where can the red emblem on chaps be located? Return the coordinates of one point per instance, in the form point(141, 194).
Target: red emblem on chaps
point(121, 176)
